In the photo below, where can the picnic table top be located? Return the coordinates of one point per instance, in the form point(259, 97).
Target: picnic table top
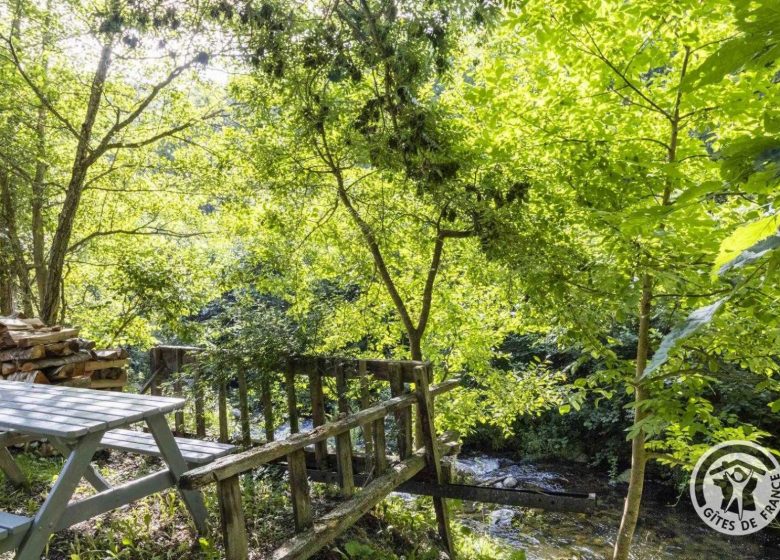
point(66, 412)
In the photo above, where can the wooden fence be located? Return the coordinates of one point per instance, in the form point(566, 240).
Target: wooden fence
point(417, 467)
point(381, 474)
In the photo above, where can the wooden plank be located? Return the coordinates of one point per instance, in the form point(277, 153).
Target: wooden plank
point(71, 403)
point(178, 417)
point(232, 515)
point(403, 418)
point(94, 413)
point(11, 524)
point(45, 427)
point(299, 490)
point(172, 457)
point(115, 497)
point(11, 470)
point(242, 462)
point(318, 414)
point(342, 389)
point(268, 408)
point(335, 522)
point(159, 369)
point(380, 446)
point(292, 400)
point(344, 464)
point(368, 427)
point(195, 445)
point(378, 369)
point(193, 451)
point(548, 501)
point(425, 408)
point(58, 391)
point(48, 516)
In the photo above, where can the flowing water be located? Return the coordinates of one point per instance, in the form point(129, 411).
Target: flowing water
point(665, 531)
point(669, 529)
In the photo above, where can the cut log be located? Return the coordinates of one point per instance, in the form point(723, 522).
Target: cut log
point(64, 348)
point(17, 354)
point(117, 383)
point(34, 376)
point(82, 356)
point(111, 354)
point(95, 365)
point(24, 339)
point(85, 344)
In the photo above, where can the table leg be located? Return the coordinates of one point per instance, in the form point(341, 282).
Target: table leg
point(172, 456)
point(51, 511)
point(10, 468)
point(91, 474)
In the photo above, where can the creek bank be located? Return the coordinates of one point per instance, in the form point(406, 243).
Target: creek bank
point(668, 529)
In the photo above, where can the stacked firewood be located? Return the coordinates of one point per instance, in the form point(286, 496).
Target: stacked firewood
point(32, 352)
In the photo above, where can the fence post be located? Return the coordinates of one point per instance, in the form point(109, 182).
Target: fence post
point(299, 490)
point(268, 408)
point(403, 417)
point(243, 405)
point(318, 413)
point(368, 427)
point(292, 400)
point(343, 440)
point(233, 523)
point(200, 416)
point(224, 434)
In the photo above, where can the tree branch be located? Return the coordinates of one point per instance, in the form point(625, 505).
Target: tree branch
point(105, 144)
point(36, 90)
point(137, 231)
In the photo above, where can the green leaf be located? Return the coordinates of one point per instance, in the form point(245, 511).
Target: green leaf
point(747, 244)
point(692, 323)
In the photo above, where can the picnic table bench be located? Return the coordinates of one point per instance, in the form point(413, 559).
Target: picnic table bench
point(78, 422)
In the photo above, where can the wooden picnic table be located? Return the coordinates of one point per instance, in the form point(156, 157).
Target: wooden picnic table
point(78, 423)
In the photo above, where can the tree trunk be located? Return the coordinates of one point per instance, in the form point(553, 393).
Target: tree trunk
point(6, 279)
point(81, 164)
point(638, 454)
point(41, 167)
point(13, 243)
point(415, 345)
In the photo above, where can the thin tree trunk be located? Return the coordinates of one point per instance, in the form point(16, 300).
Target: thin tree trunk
point(6, 278)
point(13, 242)
point(638, 452)
point(41, 167)
point(636, 481)
point(81, 164)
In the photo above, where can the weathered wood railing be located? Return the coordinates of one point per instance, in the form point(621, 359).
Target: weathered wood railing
point(380, 477)
point(167, 363)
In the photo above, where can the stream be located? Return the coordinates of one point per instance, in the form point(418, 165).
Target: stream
point(665, 530)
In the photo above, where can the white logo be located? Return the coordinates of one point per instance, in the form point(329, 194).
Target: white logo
point(735, 487)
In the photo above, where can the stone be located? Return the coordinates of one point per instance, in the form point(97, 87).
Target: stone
point(501, 517)
point(510, 482)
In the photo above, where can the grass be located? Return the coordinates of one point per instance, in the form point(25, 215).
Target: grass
point(158, 527)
